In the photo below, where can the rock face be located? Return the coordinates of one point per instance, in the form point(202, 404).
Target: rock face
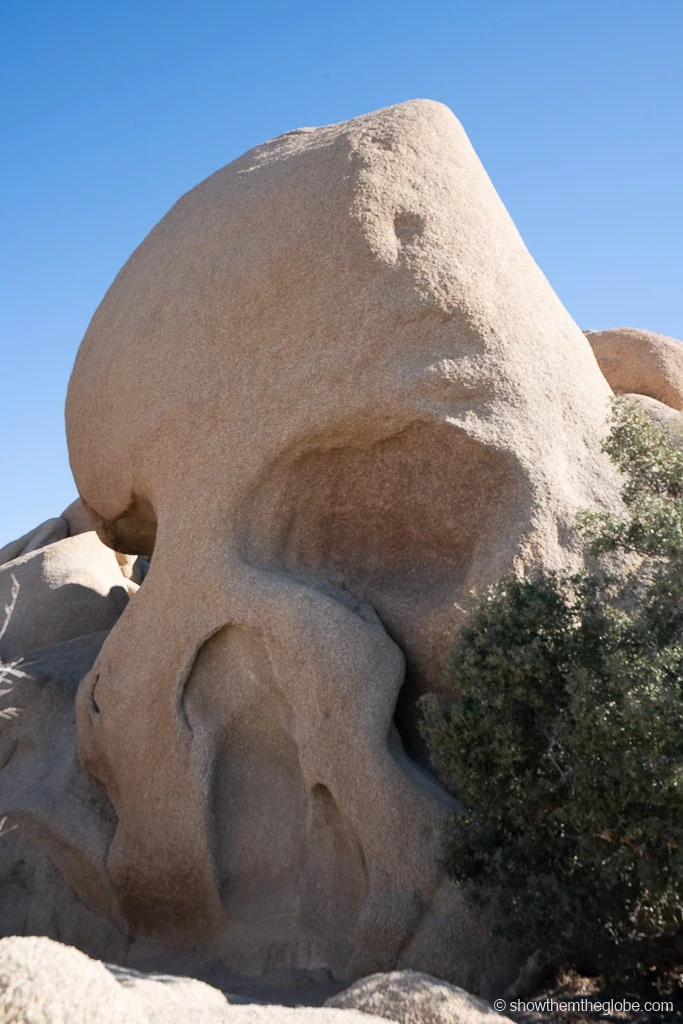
point(70, 523)
point(409, 997)
point(663, 415)
point(166, 999)
point(43, 982)
point(333, 393)
point(640, 362)
point(55, 806)
point(67, 588)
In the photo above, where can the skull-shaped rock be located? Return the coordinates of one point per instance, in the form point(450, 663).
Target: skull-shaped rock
point(333, 393)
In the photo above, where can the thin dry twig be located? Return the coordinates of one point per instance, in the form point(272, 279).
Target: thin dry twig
point(11, 670)
point(9, 608)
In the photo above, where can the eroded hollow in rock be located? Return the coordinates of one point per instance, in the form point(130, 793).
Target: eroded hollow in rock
point(291, 863)
point(402, 524)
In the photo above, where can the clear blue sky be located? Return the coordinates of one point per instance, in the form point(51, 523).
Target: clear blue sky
point(112, 110)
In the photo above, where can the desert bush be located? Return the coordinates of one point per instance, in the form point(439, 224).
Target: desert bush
point(564, 737)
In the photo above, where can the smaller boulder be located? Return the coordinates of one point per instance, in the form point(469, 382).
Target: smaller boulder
point(44, 982)
point(49, 532)
point(168, 999)
point(72, 521)
point(640, 362)
point(663, 415)
point(66, 589)
point(410, 997)
point(76, 518)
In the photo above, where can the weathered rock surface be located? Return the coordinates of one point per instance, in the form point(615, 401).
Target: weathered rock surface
point(383, 405)
point(55, 806)
point(76, 518)
point(49, 532)
point(43, 982)
point(640, 362)
point(410, 997)
point(663, 415)
point(167, 999)
point(71, 522)
point(67, 588)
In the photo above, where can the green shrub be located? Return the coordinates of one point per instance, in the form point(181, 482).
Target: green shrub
point(565, 740)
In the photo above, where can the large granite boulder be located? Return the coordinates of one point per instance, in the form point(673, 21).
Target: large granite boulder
point(640, 362)
point(333, 393)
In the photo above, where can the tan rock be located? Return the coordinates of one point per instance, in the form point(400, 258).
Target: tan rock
point(410, 997)
point(635, 361)
point(132, 568)
point(664, 415)
point(67, 588)
point(334, 393)
point(48, 532)
point(72, 521)
point(55, 806)
point(43, 982)
point(76, 518)
point(167, 999)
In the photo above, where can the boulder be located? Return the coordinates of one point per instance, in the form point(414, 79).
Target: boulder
point(59, 811)
point(48, 532)
point(663, 415)
point(43, 982)
point(168, 999)
point(133, 568)
point(68, 588)
point(76, 518)
point(409, 997)
point(333, 393)
point(72, 521)
point(641, 362)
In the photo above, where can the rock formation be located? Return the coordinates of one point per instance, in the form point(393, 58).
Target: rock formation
point(332, 393)
point(321, 391)
point(409, 997)
point(663, 415)
point(66, 589)
point(640, 362)
point(44, 982)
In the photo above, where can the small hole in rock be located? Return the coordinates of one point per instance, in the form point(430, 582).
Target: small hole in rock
point(407, 226)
